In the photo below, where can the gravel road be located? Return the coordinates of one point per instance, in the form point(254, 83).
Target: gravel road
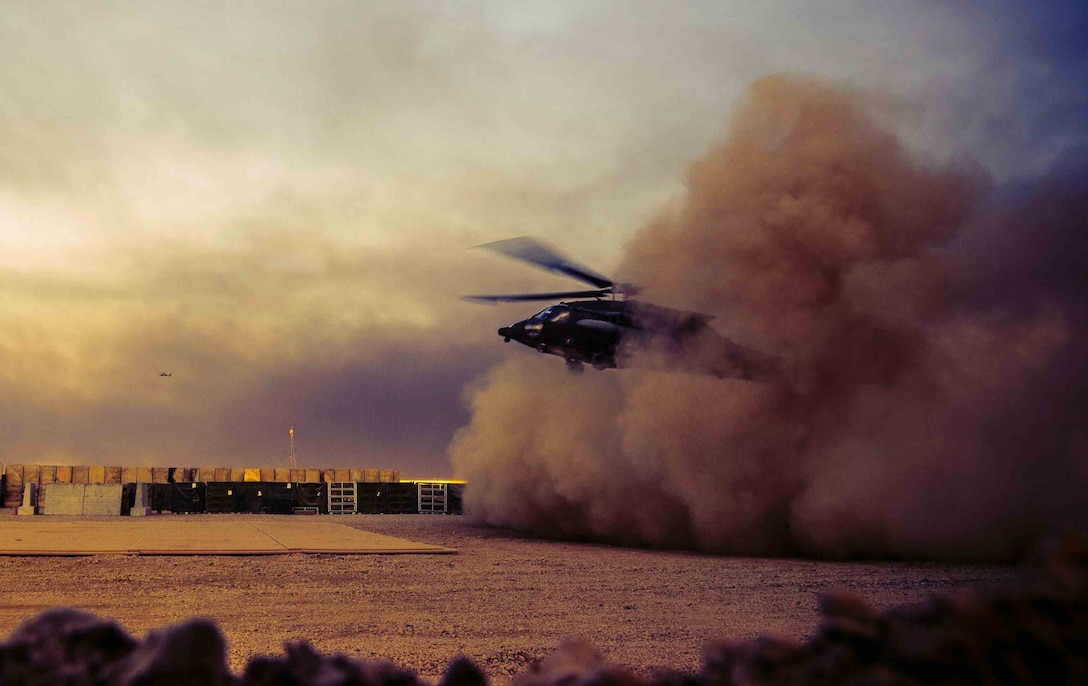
point(504, 600)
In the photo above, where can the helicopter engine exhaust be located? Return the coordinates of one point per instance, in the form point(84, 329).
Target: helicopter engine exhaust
point(933, 336)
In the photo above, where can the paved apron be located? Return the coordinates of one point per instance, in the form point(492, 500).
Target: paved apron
point(191, 536)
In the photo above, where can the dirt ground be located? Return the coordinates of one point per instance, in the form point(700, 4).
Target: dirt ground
point(504, 600)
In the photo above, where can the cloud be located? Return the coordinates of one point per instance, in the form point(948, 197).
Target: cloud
point(341, 344)
point(195, 185)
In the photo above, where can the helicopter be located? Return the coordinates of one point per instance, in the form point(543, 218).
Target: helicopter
point(166, 373)
point(608, 333)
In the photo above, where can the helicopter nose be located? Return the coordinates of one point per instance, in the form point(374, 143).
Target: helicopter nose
point(513, 332)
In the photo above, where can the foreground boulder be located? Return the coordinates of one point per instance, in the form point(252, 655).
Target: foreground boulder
point(1035, 634)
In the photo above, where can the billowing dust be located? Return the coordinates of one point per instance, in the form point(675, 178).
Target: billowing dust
point(933, 334)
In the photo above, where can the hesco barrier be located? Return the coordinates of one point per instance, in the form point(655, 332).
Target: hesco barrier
point(368, 498)
point(180, 489)
point(401, 498)
point(14, 476)
point(179, 497)
point(259, 497)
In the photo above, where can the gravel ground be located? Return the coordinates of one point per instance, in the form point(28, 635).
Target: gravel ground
point(504, 600)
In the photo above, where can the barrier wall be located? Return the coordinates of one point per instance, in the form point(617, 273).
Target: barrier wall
point(80, 499)
point(62, 499)
point(13, 477)
point(98, 490)
point(102, 499)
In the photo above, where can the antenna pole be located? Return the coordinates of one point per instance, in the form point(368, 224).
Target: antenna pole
point(291, 458)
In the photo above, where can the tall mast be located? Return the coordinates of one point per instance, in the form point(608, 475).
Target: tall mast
point(292, 463)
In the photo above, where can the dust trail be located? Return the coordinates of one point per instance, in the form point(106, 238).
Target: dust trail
point(934, 333)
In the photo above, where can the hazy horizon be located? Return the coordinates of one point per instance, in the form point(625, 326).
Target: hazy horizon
point(276, 202)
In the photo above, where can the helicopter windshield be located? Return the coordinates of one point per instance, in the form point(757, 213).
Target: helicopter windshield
point(555, 313)
point(558, 314)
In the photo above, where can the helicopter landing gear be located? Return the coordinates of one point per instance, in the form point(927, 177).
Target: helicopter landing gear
point(575, 366)
point(599, 362)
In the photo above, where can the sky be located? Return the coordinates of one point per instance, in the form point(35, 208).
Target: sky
point(276, 202)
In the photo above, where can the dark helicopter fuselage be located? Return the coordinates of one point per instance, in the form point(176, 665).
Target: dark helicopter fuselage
point(592, 331)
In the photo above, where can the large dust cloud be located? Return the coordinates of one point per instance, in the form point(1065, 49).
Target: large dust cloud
point(933, 333)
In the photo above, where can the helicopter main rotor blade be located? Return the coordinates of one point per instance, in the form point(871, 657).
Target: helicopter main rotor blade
point(521, 297)
point(533, 251)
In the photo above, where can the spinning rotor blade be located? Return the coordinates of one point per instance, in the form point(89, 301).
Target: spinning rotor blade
point(533, 251)
point(521, 297)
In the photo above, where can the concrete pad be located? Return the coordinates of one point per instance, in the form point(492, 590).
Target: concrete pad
point(193, 535)
point(307, 537)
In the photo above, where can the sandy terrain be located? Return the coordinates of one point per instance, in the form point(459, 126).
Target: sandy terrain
point(503, 600)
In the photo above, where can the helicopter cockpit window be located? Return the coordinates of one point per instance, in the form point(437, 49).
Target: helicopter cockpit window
point(559, 314)
point(543, 314)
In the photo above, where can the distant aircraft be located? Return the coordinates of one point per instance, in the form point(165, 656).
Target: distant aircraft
point(166, 373)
